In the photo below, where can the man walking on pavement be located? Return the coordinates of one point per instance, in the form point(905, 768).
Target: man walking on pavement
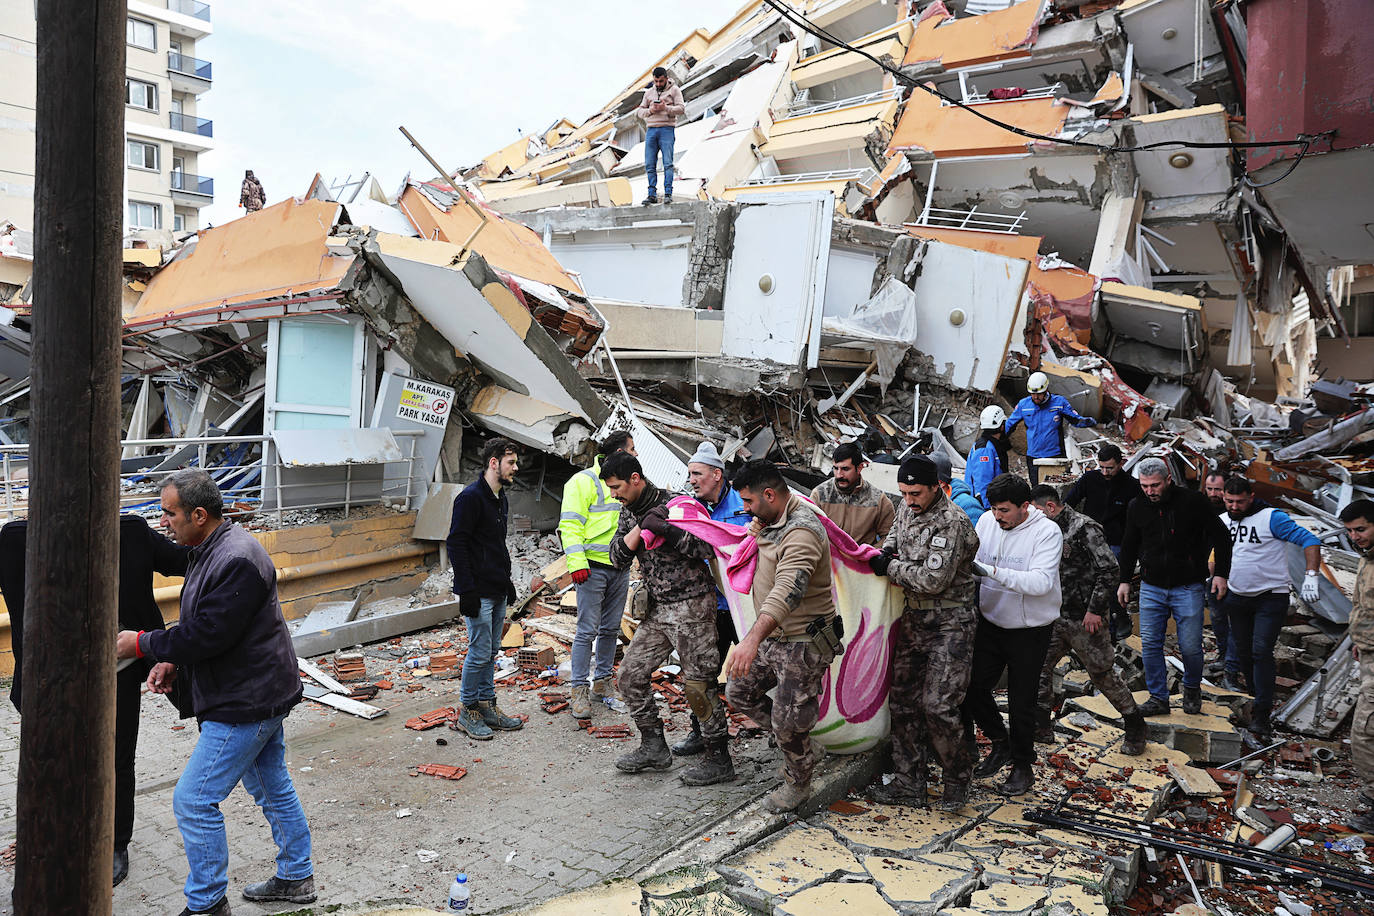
point(796, 634)
point(586, 525)
point(661, 107)
point(681, 616)
point(1044, 415)
point(1087, 576)
point(706, 475)
point(1256, 602)
point(863, 511)
point(1018, 603)
point(929, 553)
point(232, 644)
point(989, 456)
point(1171, 531)
point(481, 580)
point(1358, 518)
point(1103, 494)
point(1227, 663)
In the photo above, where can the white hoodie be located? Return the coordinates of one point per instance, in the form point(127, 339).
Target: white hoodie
point(1023, 590)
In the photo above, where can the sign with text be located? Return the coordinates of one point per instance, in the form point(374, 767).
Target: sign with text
point(424, 402)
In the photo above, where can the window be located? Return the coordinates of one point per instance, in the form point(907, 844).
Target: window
point(178, 222)
point(144, 216)
point(1358, 315)
point(142, 34)
point(140, 94)
point(143, 155)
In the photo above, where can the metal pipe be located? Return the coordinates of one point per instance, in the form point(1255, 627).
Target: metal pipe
point(1263, 750)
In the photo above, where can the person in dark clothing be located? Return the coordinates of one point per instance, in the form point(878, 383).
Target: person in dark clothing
point(1103, 494)
point(142, 552)
point(1171, 531)
point(232, 644)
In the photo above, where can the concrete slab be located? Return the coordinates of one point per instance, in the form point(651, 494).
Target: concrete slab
point(614, 898)
point(918, 888)
point(788, 862)
point(992, 837)
point(1101, 736)
point(1205, 737)
point(1026, 865)
point(1009, 899)
point(895, 830)
point(1072, 900)
point(834, 897)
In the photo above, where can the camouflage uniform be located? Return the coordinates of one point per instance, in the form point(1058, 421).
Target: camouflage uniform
point(1087, 576)
point(682, 616)
point(1362, 634)
point(932, 659)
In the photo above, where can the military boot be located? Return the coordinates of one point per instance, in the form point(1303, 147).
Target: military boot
point(652, 753)
point(955, 796)
point(1134, 745)
point(715, 767)
point(999, 755)
point(901, 791)
point(581, 703)
point(1044, 727)
point(787, 797)
point(1192, 700)
point(692, 744)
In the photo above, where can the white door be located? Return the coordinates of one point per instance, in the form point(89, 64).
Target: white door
point(775, 290)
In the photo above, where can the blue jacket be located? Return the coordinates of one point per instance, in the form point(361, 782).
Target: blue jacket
point(1043, 424)
point(963, 497)
point(477, 541)
point(730, 510)
point(984, 463)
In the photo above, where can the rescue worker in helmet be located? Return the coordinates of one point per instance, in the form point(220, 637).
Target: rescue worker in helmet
point(989, 455)
point(1044, 415)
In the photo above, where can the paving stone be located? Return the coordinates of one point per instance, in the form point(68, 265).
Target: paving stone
point(918, 888)
point(954, 859)
point(897, 830)
point(788, 862)
point(1007, 898)
point(835, 897)
point(1025, 865)
point(1072, 900)
point(614, 898)
point(988, 836)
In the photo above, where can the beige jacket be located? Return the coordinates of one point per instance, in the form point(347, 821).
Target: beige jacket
point(866, 514)
point(672, 110)
point(792, 581)
point(1362, 608)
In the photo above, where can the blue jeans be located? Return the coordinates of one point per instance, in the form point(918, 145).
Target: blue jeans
point(484, 638)
point(1227, 649)
point(600, 608)
point(1255, 624)
point(225, 754)
point(656, 140)
point(1184, 604)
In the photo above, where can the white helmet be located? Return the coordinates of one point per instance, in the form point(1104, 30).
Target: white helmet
point(1037, 383)
point(992, 417)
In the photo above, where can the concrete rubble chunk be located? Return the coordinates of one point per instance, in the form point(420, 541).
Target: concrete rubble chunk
point(788, 862)
point(896, 830)
point(917, 888)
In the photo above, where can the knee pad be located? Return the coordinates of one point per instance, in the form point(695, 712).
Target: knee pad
point(701, 698)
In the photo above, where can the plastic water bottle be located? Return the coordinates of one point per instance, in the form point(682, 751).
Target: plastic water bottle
point(419, 661)
point(459, 895)
point(1352, 843)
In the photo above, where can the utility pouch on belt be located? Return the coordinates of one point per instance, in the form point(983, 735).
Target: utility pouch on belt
point(827, 632)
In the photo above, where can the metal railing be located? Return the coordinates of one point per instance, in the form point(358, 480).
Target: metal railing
point(191, 66)
point(863, 175)
point(193, 184)
point(972, 96)
point(881, 95)
point(938, 218)
point(190, 8)
point(246, 479)
point(191, 124)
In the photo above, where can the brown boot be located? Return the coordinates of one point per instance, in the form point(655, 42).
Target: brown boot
point(581, 704)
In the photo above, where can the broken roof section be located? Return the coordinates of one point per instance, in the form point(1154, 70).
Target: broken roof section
point(953, 43)
point(931, 125)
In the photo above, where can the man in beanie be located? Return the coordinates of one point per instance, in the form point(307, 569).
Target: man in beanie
point(706, 474)
point(929, 553)
point(861, 509)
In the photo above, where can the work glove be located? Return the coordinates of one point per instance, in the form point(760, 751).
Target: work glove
point(470, 604)
point(581, 575)
point(882, 561)
point(1092, 421)
point(510, 593)
point(1311, 588)
point(657, 522)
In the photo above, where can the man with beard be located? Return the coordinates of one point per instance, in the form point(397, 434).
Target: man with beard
point(1358, 518)
point(1103, 494)
point(861, 509)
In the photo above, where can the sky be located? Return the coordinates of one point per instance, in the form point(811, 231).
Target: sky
point(306, 86)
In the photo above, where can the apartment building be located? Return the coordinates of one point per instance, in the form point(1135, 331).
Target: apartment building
point(165, 78)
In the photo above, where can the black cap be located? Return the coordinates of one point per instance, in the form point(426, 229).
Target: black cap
point(918, 469)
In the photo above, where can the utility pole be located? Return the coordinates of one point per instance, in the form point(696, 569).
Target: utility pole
point(66, 745)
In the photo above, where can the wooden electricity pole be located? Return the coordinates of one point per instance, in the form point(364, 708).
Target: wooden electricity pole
point(66, 745)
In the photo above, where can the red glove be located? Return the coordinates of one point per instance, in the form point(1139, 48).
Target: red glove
point(581, 575)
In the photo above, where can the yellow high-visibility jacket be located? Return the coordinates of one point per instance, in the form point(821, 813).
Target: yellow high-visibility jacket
point(588, 519)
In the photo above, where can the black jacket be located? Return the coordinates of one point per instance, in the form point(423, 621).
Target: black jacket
point(1173, 539)
point(142, 552)
point(477, 541)
point(231, 641)
point(1104, 501)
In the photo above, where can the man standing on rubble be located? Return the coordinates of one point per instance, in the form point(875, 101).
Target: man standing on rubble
point(706, 475)
point(1171, 532)
point(482, 581)
point(681, 615)
point(1018, 604)
point(251, 195)
point(586, 524)
point(1087, 574)
point(1256, 602)
point(863, 511)
point(989, 456)
point(233, 646)
point(661, 107)
point(930, 555)
point(1044, 415)
point(1103, 494)
point(796, 634)
point(1358, 518)
point(1228, 656)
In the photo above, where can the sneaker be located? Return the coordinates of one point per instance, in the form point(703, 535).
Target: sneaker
point(786, 797)
point(471, 722)
point(667, 198)
point(1192, 700)
point(219, 909)
point(1154, 706)
point(496, 719)
point(581, 704)
point(651, 199)
point(274, 888)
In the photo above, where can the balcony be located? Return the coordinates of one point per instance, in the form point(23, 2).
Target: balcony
point(202, 127)
point(190, 8)
point(189, 74)
point(192, 190)
point(187, 132)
